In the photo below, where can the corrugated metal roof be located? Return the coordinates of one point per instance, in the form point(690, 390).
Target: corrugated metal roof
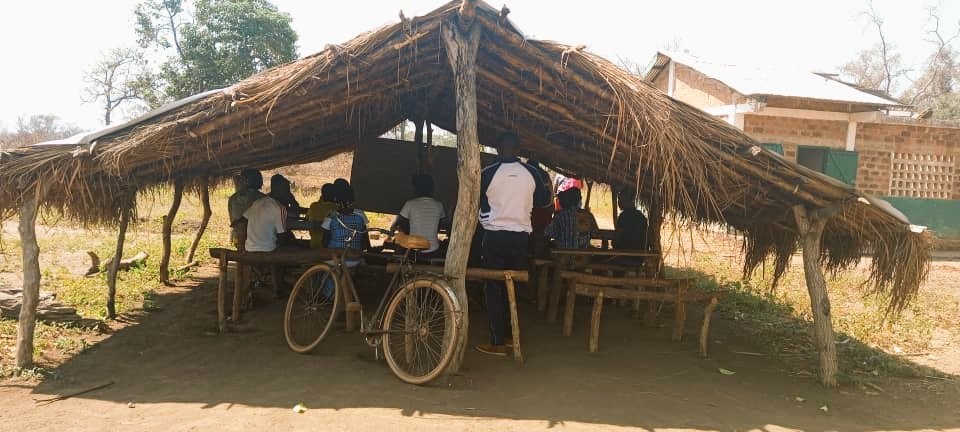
point(759, 81)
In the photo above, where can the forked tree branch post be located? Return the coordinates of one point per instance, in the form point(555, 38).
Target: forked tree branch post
point(461, 40)
point(167, 229)
point(31, 283)
point(126, 208)
point(207, 212)
point(811, 225)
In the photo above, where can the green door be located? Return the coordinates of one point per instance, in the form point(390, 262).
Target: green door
point(774, 147)
point(842, 165)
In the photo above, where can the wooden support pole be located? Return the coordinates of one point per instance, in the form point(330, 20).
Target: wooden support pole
point(589, 194)
point(207, 212)
point(811, 225)
point(31, 283)
point(125, 211)
point(614, 205)
point(167, 228)
point(514, 319)
point(461, 39)
point(595, 322)
point(705, 327)
point(222, 294)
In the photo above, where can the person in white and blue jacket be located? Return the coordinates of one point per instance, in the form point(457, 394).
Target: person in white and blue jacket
point(509, 189)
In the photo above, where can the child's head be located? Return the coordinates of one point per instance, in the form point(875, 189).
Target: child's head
point(344, 198)
point(422, 185)
point(326, 192)
point(569, 198)
point(627, 199)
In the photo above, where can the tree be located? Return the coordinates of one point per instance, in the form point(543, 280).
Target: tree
point(937, 88)
point(225, 42)
point(42, 127)
point(118, 80)
point(879, 67)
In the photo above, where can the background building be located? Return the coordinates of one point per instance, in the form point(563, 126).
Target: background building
point(860, 136)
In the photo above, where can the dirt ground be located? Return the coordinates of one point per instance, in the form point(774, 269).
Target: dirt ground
point(171, 372)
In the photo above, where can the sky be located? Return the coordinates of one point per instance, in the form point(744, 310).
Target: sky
point(48, 44)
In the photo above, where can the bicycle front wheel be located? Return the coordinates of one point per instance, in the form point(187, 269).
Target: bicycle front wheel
point(312, 308)
point(421, 327)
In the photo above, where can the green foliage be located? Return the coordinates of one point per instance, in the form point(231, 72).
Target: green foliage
point(225, 42)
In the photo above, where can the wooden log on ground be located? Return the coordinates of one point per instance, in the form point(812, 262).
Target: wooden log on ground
point(462, 41)
point(115, 264)
point(705, 327)
point(811, 224)
point(204, 221)
point(27, 321)
point(125, 264)
point(595, 322)
point(167, 228)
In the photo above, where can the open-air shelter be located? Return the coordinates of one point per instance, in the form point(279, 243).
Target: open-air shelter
point(466, 68)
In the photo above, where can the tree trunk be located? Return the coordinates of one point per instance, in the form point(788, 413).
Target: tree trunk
point(167, 228)
point(461, 41)
point(115, 263)
point(207, 212)
point(31, 283)
point(811, 226)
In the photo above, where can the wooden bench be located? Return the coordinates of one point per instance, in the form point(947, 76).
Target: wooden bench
point(279, 257)
point(563, 260)
point(508, 276)
point(675, 291)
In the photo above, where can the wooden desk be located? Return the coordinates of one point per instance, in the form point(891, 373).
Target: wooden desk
point(278, 257)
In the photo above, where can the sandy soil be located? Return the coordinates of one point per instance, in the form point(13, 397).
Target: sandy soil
point(170, 372)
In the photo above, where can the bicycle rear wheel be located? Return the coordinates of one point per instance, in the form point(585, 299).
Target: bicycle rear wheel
point(311, 308)
point(421, 327)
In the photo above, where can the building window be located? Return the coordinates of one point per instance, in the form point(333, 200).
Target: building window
point(839, 164)
point(918, 175)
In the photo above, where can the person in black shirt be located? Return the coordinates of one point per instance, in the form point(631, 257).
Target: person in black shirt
point(631, 230)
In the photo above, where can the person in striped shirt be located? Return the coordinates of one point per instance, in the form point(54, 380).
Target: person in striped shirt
point(422, 215)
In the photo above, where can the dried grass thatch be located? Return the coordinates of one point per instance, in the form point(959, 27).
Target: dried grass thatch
point(575, 111)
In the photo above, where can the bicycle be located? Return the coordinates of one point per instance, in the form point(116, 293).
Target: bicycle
point(417, 321)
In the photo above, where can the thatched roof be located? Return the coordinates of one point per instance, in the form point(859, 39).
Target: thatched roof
point(574, 111)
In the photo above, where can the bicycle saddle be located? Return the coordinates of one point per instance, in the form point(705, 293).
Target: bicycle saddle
point(411, 241)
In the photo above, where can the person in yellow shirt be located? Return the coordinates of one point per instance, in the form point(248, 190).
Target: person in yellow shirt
point(318, 212)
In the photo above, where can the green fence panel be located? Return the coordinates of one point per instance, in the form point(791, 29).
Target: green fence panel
point(940, 216)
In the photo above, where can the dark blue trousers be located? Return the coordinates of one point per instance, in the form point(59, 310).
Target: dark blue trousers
point(502, 250)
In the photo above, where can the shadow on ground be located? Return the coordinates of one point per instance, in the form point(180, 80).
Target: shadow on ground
point(639, 378)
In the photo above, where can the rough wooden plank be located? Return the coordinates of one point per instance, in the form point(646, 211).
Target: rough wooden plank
point(543, 287)
point(471, 273)
point(292, 257)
